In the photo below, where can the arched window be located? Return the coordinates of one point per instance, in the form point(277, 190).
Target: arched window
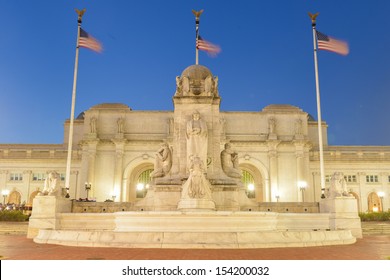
point(143, 182)
point(14, 198)
point(374, 203)
point(249, 183)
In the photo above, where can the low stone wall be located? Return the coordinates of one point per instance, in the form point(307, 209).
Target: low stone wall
point(278, 207)
point(101, 207)
point(288, 207)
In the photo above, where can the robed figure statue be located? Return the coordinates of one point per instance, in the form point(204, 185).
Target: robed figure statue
point(196, 139)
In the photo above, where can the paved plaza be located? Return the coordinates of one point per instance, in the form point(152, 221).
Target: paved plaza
point(15, 246)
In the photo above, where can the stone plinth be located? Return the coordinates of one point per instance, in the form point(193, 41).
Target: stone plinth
point(343, 214)
point(45, 213)
point(196, 205)
point(160, 198)
point(226, 197)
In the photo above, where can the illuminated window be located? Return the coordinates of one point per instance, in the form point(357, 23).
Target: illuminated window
point(372, 179)
point(142, 184)
point(39, 176)
point(16, 177)
point(350, 178)
point(249, 183)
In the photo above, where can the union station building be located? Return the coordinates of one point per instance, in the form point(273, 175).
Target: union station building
point(114, 153)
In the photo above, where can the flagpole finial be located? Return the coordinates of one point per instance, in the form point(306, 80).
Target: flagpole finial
point(197, 13)
point(313, 18)
point(80, 14)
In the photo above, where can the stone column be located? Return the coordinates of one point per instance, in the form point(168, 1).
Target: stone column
point(74, 184)
point(3, 177)
point(118, 188)
point(300, 176)
point(384, 181)
point(316, 185)
point(362, 181)
point(28, 172)
point(91, 171)
point(273, 170)
point(88, 167)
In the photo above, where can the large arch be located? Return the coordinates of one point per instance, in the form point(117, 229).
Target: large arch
point(130, 176)
point(260, 174)
point(374, 202)
point(15, 198)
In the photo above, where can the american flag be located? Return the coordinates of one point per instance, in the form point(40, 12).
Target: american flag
point(87, 41)
point(330, 44)
point(206, 46)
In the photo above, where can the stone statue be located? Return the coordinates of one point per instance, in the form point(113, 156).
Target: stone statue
point(271, 125)
point(120, 123)
point(185, 82)
point(229, 161)
point(52, 185)
point(209, 85)
point(178, 86)
point(298, 127)
point(92, 124)
point(163, 162)
point(338, 186)
point(197, 186)
point(216, 86)
point(222, 122)
point(196, 139)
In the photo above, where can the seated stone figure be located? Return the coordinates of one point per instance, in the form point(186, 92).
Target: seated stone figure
point(229, 161)
point(338, 186)
point(163, 162)
point(197, 186)
point(52, 185)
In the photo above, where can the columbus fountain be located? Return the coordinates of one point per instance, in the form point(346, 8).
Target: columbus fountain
point(196, 198)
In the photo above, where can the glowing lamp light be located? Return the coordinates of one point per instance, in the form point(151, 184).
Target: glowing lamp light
point(140, 186)
point(5, 192)
point(302, 185)
point(251, 187)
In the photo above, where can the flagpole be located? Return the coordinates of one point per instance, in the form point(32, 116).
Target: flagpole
point(322, 169)
point(197, 16)
point(70, 141)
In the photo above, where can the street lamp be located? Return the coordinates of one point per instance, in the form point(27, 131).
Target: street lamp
point(302, 185)
point(381, 196)
point(88, 187)
point(5, 193)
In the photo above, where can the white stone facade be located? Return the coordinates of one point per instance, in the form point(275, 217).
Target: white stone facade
point(278, 146)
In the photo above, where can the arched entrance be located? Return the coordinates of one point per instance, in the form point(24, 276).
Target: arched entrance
point(374, 203)
point(15, 198)
point(138, 182)
point(253, 182)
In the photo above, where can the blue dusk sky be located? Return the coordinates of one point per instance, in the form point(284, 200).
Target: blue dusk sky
point(266, 58)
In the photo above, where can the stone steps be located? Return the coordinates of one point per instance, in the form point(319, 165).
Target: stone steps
point(372, 228)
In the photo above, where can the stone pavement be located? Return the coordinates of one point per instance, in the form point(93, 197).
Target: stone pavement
point(15, 246)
